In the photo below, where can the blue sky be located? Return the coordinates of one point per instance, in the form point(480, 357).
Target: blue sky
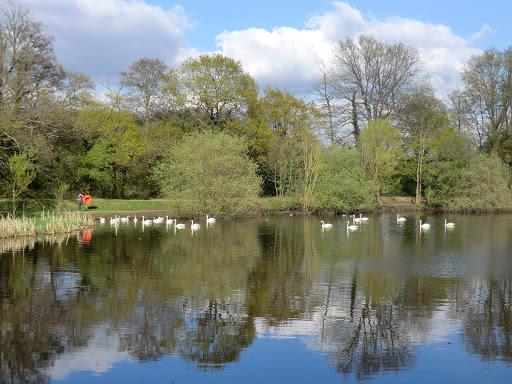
point(280, 43)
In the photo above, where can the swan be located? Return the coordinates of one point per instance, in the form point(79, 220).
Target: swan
point(135, 219)
point(448, 225)
point(114, 220)
point(146, 221)
point(195, 226)
point(356, 219)
point(351, 227)
point(168, 221)
point(103, 220)
point(424, 225)
point(179, 225)
point(158, 220)
point(363, 218)
point(399, 219)
point(326, 225)
point(210, 220)
point(125, 219)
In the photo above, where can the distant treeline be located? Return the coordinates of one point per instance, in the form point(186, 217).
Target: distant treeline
point(205, 133)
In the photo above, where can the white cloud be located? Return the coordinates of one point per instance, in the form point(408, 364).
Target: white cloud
point(102, 37)
point(290, 58)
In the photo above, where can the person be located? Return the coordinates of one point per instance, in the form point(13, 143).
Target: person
point(79, 200)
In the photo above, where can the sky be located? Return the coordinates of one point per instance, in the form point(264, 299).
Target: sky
point(281, 43)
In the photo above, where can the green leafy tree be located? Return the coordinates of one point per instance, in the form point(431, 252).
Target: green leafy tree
point(443, 181)
point(423, 121)
point(209, 173)
point(293, 159)
point(22, 172)
point(484, 185)
point(380, 147)
point(115, 145)
point(342, 185)
point(217, 86)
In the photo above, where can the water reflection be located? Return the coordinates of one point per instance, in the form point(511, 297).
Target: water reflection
point(370, 298)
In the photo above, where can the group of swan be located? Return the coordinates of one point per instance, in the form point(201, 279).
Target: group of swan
point(158, 220)
point(399, 220)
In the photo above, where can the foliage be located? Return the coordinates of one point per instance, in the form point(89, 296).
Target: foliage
point(211, 174)
point(484, 185)
point(422, 122)
point(217, 86)
point(380, 147)
point(449, 159)
point(22, 173)
point(341, 185)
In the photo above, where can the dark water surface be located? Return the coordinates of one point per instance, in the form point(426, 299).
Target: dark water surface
point(274, 299)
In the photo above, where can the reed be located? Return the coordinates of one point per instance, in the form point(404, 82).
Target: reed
point(47, 223)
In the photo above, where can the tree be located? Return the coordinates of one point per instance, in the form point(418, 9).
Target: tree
point(216, 86)
point(380, 147)
point(146, 79)
point(487, 88)
point(323, 89)
point(443, 181)
point(22, 172)
point(372, 75)
point(210, 173)
point(28, 68)
point(342, 185)
point(423, 120)
point(484, 185)
point(294, 152)
point(113, 137)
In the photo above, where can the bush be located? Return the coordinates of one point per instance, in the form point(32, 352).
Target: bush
point(484, 186)
point(209, 173)
point(341, 184)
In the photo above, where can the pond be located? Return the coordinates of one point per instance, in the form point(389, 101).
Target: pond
point(269, 299)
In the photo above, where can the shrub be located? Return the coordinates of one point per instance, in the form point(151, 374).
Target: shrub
point(341, 184)
point(209, 173)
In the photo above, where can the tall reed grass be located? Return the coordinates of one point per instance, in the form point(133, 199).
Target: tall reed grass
point(46, 223)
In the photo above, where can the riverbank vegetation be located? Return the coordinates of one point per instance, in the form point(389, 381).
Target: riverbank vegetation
point(45, 223)
point(204, 136)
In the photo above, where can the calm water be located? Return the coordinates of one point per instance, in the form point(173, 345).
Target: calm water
point(273, 299)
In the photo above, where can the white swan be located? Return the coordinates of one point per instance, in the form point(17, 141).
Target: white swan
point(146, 221)
point(363, 218)
point(179, 225)
point(135, 219)
point(448, 225)
point(158, 220)
point(326, 225)
point(125, 219)
point(210, 220)
point(168, 221)
point(399, 219)
point(195, 226)
point(351, 227)
point(356, 219)
point(424, 225)
point(103, 220)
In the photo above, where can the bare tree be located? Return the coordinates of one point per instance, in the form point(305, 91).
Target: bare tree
point(372, 75)
point(487, 95)
point(146, 79)
point(335, 110)
point(28, 67)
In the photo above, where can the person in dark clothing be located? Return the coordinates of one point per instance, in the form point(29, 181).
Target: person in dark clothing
point(79, 200)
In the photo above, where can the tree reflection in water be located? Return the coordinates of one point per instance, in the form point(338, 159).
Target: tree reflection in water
point(370, 299)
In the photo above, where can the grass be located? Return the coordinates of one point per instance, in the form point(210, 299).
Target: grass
point(45, 223)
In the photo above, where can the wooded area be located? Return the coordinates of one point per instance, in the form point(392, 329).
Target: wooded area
point(205, 132)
